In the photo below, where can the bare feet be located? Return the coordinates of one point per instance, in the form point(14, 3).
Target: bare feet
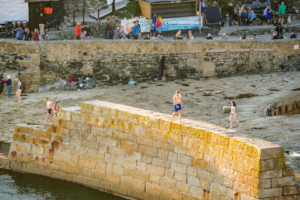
point(240, 125)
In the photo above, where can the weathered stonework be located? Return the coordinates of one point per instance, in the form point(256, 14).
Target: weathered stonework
point(288, 106)
point(115, 62)
point(143, 155)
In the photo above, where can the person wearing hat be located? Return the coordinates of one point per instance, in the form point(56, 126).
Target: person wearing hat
point(88, 31)
point(178, 36)
point(78, 30)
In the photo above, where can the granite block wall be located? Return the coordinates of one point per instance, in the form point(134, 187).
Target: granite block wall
point(143, 155)
point(114, 62)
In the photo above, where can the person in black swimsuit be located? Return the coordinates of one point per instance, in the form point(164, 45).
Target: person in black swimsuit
point(56, 109)
point(49, 110)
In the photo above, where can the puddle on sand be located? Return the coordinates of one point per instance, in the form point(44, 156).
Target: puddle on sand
point(183, 84)
point(242, 96)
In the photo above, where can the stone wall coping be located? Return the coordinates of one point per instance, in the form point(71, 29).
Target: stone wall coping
point(259, 144)
point(147, 41)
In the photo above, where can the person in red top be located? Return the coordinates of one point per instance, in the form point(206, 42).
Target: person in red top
point(159, 25)
point(35, 36)
point(78, 31)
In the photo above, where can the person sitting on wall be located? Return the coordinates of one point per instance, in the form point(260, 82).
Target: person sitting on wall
point(255, 37)
point(224, 37)
point(190, 35)
point(147, 37)
point(46, 36)
point(35, 35)
point(280, 36)
point(160, 37)
point(275, 36)
point(20, 33)
point(293, 35)
point(178, 36)
point(83, 36)
point(279, 28)
point(209, 37)
point(252, 17)
point(88, 31)
point(78, 31)
point(243, 37)
point(117, 34)
point(28, 35)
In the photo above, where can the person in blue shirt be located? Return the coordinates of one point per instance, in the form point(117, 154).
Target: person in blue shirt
point(280, 36)
point(244, 17)
point(135, 30)
point(20, 33)
point(160, 37)
point(252, 17)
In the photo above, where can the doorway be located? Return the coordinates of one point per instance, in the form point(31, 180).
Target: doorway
point(35, 8)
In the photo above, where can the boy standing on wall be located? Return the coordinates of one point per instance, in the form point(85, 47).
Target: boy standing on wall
point(49, 109)
point(177, 105)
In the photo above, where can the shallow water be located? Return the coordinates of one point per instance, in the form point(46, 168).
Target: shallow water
point(20, 186)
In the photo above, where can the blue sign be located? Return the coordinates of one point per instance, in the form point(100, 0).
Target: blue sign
point(181, 23)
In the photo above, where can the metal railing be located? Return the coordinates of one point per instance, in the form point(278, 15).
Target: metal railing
point(73, 13)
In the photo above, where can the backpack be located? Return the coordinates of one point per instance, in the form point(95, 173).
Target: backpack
point(70, 79)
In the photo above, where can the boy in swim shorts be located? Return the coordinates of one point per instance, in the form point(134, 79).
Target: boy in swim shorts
point(177, 105)
point(49, 110)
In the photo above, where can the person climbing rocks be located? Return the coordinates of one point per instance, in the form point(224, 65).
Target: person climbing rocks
point(177, 105)
point(233, 114)
point(49, 109)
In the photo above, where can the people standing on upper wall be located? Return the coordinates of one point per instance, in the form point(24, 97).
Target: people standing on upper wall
point(9, 86)
point(42, 21)
point(281, 13)
point(109, 32)
point(266, 13)
point(159, 24)
point(140, 30)
point(230, 13)
point(78, 30)
point(88, 31)
point(244, 17)
point(135, 31)
point(240, 15)
point(269, 14)
point(106, 26)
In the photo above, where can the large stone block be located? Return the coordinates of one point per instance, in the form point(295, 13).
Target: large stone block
point(178, 167)
point(126, 162)
point(180, 177)
point(140, 175)
point(155, 170)
point(272, 192)
point(71, 169)
point(87, 163)
point(284, 181)
point(62, 156)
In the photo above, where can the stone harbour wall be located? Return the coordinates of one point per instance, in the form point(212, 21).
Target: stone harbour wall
point(115, 62)
point(143, 155)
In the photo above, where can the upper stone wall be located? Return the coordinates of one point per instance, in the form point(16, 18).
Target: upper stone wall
point(142, 154)
point(114, 62)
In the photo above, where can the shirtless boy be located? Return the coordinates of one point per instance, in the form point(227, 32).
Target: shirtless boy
point(177, 105)
point(49, 110)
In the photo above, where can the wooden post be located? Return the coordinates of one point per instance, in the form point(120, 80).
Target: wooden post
point(200, 16)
